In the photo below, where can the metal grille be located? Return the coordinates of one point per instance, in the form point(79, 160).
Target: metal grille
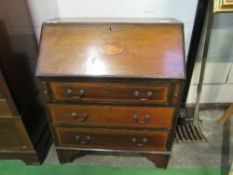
point(189, 133)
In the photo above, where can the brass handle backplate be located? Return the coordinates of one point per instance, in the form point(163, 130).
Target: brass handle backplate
point(149, 94)
point(141, 121)
point(84, 140)
point(81, 118)
point(70, 93)
point(141, 142)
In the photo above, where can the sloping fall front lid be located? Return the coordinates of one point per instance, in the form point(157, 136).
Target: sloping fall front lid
point(127, 48)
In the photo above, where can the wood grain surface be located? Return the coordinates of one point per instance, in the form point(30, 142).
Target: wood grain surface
point(112, 138)
point(112, 116)
point(112, 50)
point(152, 93)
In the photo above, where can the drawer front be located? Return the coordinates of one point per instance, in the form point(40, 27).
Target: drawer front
point(112, 138)
point(5, 108)
point(13, 134)
point(1, 96)
point(112, 116)
point(111, 92)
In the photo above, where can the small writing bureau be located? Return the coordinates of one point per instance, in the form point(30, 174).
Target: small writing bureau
point(112, 84)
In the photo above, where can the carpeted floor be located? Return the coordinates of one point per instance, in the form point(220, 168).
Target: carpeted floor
point(19, 168)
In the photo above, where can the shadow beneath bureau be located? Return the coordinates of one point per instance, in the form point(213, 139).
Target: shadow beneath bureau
point(68, 156)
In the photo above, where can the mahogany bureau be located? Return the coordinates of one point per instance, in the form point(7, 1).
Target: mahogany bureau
point(112, 84)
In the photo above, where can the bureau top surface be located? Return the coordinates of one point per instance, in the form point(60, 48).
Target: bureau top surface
point(123, 48)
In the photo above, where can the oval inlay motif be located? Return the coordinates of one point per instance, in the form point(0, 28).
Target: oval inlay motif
point(112, 48)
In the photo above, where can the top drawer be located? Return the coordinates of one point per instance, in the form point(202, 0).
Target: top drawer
point(149, 93)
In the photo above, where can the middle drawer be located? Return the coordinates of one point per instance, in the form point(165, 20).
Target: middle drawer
point(112, 116)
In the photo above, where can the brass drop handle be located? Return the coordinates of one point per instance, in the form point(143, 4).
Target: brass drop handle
point(84, 141)
point(82, 118)
point(140, 121)
point(70, 93)
point(149, 94)
point(138, 143)
point(136, 93)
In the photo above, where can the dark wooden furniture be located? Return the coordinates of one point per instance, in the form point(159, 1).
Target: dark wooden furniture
point(112, 84)
point(14, 140)
point(24, 132)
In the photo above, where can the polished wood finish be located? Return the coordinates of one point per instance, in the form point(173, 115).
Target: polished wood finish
point(5, 108)
point(14, 140)
point(112, 116)
point(112, 86)
point(112, 138)
point(28, 157)
point(112, 49)
point(152, 93)
point(1, 96)
point(176, 94)
point(68, 155)
point(22, 116)
point(160, 160)
point(12, 134)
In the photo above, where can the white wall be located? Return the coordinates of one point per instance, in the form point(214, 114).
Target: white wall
point(183, 10)
point(218, 85)
point(218, 80)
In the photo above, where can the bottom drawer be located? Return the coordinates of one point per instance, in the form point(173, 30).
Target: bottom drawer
point(112, 138)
